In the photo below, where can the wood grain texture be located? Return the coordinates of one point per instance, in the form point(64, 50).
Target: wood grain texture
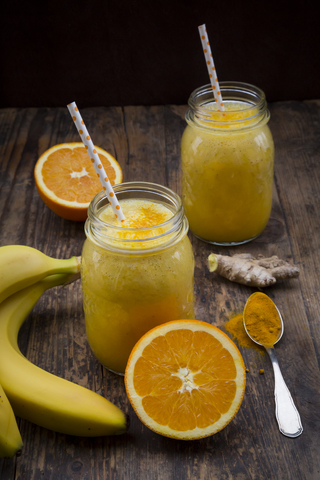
point(146, 141)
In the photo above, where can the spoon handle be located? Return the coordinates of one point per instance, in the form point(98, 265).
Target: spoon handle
point(287, 415)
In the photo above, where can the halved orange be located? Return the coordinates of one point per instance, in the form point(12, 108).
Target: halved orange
point(66, 179)
point(185, 379)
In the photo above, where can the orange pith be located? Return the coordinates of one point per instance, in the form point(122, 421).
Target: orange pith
point(185, 379)
point(66, 179)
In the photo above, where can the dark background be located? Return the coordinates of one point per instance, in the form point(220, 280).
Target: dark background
point(146, 52)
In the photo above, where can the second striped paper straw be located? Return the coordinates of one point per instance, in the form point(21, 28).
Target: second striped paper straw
point(94, 157)
point(211, 67)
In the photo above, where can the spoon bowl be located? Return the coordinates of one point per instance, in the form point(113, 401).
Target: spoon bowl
point(287, 415)
point(245, 327)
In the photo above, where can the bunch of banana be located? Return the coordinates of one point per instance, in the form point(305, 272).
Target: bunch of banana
point(34, 394)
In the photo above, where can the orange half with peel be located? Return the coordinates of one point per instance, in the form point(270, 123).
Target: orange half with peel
point(66, 179)
point(185, 379)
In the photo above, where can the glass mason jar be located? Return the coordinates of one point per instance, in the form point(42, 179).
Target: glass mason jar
point(227, 164)
point(134, 279)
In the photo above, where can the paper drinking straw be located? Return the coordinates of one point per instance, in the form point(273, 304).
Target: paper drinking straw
point(94, 157)
point(210, 65)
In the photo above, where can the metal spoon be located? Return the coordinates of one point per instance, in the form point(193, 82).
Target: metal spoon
point(287, 415)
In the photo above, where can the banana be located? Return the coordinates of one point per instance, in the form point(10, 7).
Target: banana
point(40, 397)
point(10, 438)
point(21, 266)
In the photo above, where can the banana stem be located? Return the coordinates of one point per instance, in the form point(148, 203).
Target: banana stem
point(70, 265)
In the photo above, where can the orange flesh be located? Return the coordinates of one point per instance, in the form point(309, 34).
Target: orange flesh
point(186, 379)
point(64, 174)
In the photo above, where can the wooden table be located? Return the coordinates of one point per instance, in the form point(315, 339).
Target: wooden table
point(145, 140)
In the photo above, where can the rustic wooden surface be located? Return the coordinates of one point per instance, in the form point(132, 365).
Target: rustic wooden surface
point(145, 140)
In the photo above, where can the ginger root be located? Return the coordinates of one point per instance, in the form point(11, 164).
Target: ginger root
point(255, 272)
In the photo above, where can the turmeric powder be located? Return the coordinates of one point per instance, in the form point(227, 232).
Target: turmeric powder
point(262, 319)
point(235, 327)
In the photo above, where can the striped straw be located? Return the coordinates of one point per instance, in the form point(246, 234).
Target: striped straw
point(94, 157)
point(210, 65)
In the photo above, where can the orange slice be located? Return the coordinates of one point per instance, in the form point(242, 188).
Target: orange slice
point(66, 179)
point(185, 379)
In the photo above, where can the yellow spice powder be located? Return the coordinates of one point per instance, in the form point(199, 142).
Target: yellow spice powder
point(235, 327)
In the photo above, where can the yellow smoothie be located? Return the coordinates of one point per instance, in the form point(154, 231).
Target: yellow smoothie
point(227, 173)
point(141, 277)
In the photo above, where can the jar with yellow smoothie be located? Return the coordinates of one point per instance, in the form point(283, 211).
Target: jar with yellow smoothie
point(227, 164)
point(135, 274)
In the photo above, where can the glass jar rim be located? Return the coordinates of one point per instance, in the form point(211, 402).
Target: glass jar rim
point(252, 96)
point(96, 228)
point(228, 86)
